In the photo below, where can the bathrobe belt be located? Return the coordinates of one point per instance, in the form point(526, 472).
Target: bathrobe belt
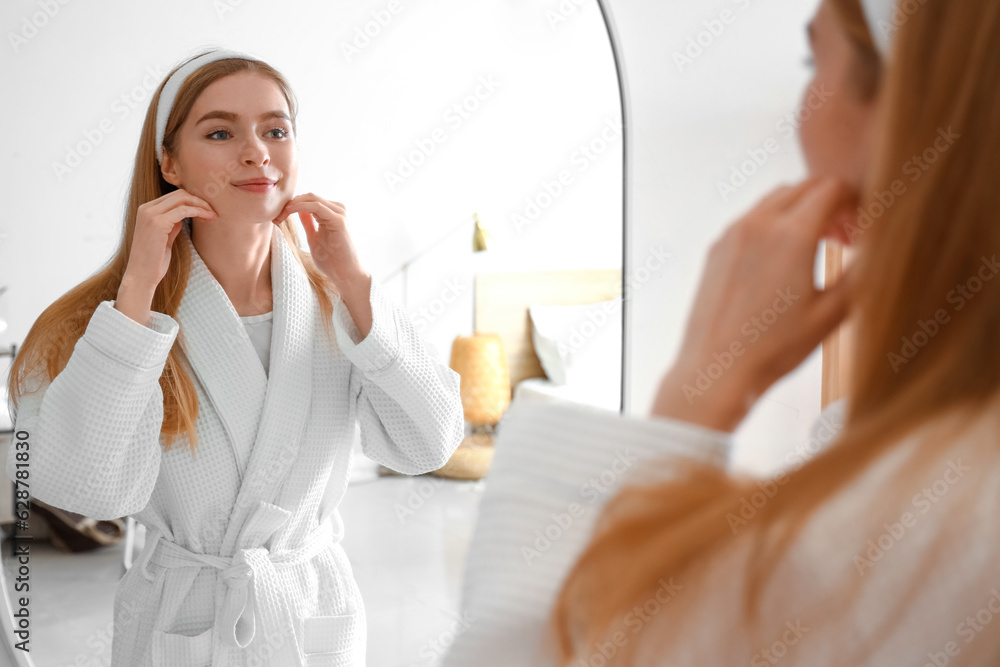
point(250, 575)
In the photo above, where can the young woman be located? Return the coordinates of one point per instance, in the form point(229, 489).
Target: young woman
point(232, 447)
point(879, 543)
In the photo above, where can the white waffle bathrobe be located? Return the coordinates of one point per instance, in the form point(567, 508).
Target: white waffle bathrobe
point(242, 563)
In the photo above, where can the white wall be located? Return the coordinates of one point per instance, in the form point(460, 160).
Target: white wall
point(691, 125)
point(360, 112)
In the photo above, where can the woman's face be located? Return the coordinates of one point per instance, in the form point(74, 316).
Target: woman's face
point(836, 138)
point(238, 130)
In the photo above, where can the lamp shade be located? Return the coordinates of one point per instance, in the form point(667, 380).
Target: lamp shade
point(481, 362)
point(480, 237)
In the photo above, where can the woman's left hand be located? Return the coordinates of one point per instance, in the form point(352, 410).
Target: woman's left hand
point(325, 223)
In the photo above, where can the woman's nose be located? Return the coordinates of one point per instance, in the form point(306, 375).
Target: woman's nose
point(255, 153)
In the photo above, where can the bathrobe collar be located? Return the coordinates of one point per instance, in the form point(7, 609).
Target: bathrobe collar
point(263, 416)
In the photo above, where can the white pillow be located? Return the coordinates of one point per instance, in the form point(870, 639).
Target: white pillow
point(580, 344)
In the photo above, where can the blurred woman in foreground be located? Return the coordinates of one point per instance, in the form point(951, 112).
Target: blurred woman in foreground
point(882, 548)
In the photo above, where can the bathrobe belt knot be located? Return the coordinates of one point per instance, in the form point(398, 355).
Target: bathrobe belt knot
point(250, 576)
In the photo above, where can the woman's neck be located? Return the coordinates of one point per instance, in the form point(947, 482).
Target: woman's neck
point(239, 256)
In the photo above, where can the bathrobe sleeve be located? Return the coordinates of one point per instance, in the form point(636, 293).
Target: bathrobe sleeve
point(92, 434)
point(408, 402)
point(554, 469)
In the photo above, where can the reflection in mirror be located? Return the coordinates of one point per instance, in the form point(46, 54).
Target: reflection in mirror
point(471, 153)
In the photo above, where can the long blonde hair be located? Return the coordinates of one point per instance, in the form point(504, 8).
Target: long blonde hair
point(944, 75)
point(51, 339)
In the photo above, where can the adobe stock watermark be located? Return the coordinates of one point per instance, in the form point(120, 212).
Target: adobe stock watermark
point(597, 316)
point(262, 654)
point(455, 116)
point(752, 330)
point(436, 647)
point(656, 259)
point(959, 297)
point(223, 7)
point(121, 108)
point(922, 502)
point(364, 34)
point(100, 642)
point(779, 648)
point(582, 157)
point(901, 13)
point(564, 11)
point(915, 168)
point(758, 157)
point(591, 491)
point(601, 313)
point(419, 494)
point(826, 433)
point(635, 620)
point(713, 30)
point(219, 179)
point(430, 312)
point(31, 25)
point(967, 629)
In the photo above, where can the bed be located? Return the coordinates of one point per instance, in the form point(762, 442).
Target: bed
point(561, 331)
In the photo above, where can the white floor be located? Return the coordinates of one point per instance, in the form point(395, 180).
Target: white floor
point(406, 537)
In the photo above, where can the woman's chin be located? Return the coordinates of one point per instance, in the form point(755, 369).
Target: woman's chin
point(251, 214)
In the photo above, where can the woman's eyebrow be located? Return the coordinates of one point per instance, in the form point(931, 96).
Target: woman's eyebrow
point(811, 33)
point(233, 117)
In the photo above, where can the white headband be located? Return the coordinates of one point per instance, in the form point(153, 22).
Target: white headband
point(879, 15)
point(173, 84)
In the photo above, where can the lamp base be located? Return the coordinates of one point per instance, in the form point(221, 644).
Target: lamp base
point(471, 459)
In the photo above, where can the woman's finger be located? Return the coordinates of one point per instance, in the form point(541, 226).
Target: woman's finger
point(180, 212)
point(177, 197)
point(783, 197)
point(819, 207)
point(173, 234)
point(319, 210)
point(309, 225)
point(334, 206)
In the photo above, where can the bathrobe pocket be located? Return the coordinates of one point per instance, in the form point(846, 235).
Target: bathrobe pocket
point(329, 641)
point(171, 649)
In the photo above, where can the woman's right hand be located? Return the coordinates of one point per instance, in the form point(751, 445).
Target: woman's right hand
point(757, 314)
point(157, 224)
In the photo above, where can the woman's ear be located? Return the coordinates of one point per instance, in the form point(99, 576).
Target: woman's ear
point(168, 167)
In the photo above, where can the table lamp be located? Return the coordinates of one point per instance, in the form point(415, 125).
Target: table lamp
point(481, 362)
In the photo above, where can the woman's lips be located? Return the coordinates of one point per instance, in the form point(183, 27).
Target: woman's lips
point(260, 188)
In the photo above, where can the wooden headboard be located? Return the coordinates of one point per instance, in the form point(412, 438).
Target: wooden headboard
point(502, 301)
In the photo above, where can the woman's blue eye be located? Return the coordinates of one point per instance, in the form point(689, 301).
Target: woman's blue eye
point(809, 62)
point(283, 131)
